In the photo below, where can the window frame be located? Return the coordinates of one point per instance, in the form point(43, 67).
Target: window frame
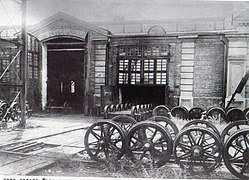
point(148, 57)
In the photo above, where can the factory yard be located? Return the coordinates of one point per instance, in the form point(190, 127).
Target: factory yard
point(60, 152)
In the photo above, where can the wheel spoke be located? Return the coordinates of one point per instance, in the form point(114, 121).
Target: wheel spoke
point(102, 130)
point(93, 143)
point(237, 148)
point(137, 138)
point(159, 142)
point(156, 152)
point(98, 151)
point(184, 156)
point(154, 134)
point(210, 155)
point(246, 141)
point(184, 146)
point(191, 139)
point(245, 167)
point(236, 159)
point(112, 146)
point(106, 151)
point(204, 165)
point(135, 147)
point(97, 136)
point(207, 146)
point(201, 139)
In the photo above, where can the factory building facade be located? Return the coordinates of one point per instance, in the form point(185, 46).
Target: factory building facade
point(88, 66)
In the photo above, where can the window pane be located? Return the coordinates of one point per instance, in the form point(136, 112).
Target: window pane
point(35, 60)
point(36, 73)
point(72, 86)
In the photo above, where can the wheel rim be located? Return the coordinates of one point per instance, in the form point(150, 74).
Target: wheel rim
point(179, 112)
point(216, 114)
point(15, 114)
point(202, 123)
point(105, 141)
point(161, 110)
point(125, 122)
point(3, 109)
point(235, 114)
point(107, 109)
point(169, 125)
point(149, 143)
point(233, 127)
point(236, 153)
point(196, 113)
point(197, 150)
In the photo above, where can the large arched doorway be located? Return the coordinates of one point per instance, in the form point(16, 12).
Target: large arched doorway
point(65, 70)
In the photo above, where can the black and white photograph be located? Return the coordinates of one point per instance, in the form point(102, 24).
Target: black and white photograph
point(124, 89)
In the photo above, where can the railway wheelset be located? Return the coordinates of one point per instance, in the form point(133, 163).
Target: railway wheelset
point(198, 146)
point(12, 111)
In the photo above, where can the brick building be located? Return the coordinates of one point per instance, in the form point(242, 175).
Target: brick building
point(196, 63)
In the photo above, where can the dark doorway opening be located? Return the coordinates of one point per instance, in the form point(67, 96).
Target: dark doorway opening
point(65, 73)
point(143, 94)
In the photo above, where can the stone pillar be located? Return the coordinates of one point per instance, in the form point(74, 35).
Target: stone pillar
point(44, 75)
point(187, 72)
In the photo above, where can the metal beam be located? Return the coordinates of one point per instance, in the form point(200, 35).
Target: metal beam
point(79, 49)
point(6, 69)
point(24, 65)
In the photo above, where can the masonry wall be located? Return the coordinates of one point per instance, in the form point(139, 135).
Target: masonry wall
point(207, 61)
point(208, 72)
point(173, 91)
point(99, 70)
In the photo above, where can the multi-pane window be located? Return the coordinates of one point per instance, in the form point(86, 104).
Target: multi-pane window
point(161, 71)
point(135, 71)
point(149, 71)
point(4, 64)
point(143, 64)
point(6, 56)
point(33, 59)
point(123, 71)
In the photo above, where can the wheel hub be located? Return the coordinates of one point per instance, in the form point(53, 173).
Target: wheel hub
point(147, 145)
point(196, 151)
point(103, 143)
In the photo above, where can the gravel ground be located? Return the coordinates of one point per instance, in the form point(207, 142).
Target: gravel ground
point(121, 169)
point(117, 170)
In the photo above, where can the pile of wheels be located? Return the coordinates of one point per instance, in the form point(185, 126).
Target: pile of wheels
point(139, 112)
point(215, 113)
point(12, 111)
point(198, 146)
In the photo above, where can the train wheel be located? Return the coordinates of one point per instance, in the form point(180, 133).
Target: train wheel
point(236, 153)
point(105, 141)
point(196, 113)
point(149, 143)
point(235, 114)
point(161, 110)
point(3, 111)
point(15, 113)
point(197, 150)
point(216, 114)
point(179, 112)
